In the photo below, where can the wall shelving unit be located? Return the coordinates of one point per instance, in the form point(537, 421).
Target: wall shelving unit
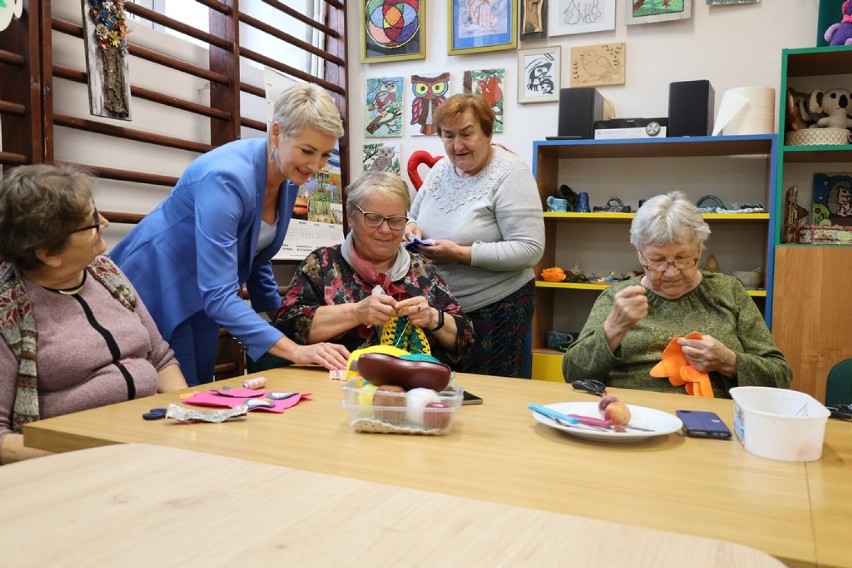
point(738, 169)
point(813, 283)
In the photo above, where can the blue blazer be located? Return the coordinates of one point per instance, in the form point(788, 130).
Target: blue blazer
point(197, 247)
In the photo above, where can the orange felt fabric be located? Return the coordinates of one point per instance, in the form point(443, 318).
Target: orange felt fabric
point(675, 367)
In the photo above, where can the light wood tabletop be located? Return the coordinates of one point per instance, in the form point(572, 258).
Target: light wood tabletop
point(498, 452)
point(163, 506)
point(830, 485)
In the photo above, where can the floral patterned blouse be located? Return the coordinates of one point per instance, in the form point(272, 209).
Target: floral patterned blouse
point(324, 278)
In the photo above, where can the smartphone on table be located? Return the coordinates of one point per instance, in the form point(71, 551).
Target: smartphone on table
point(703, 424)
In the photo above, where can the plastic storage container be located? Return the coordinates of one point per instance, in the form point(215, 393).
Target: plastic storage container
point(400, 416)
point(779, 424)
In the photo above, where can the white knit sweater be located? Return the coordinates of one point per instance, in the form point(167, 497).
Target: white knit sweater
point(498, 212)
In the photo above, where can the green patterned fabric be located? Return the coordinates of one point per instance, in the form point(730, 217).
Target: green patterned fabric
point(17, 327)
point(718, 306)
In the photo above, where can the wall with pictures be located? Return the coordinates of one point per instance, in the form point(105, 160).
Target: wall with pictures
point(730, 45)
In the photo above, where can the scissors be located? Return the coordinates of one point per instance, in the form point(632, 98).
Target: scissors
point(591, 386)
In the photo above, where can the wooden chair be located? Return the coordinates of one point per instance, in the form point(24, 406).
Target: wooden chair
point(838, 386)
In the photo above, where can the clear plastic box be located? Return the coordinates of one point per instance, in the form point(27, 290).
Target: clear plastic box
point(364, 416)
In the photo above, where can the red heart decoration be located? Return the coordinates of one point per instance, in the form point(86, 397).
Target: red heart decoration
point(417, 158)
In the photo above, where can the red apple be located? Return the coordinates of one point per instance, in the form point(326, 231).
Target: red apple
point(437, 415)
point(606, 400)
point(619, 414)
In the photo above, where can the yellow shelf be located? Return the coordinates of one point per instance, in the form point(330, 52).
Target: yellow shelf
point(547, 365)
point(629, 216)
point(571, 285)
point(590, 216)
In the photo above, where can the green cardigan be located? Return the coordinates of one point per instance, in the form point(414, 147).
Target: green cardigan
point(719, 306)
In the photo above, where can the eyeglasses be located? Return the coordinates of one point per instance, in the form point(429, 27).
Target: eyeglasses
point(96, 225)
point(663, 265)
point(396, 223)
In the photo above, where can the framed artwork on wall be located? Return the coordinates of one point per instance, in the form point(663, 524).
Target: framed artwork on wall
point(580, 16)
point(381, 157)
point(539, 74)
point(487, 83)
point(533, 19)
point(105, 38)
point(392, 31)
point(652, 11)
point(430, 90)
point(482, 25)
point(598, 65)
point(383, 106)
point(832, 202)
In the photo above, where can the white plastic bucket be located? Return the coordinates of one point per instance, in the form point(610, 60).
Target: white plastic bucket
point(779, 424)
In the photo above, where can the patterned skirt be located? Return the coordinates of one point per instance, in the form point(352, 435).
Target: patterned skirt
point(500, 330)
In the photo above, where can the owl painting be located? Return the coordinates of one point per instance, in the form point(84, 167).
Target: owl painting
point(381, 157)
point(429, 92)
point(384, 107)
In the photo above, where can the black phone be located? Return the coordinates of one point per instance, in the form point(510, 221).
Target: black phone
point(703, 424)
point(470, 398)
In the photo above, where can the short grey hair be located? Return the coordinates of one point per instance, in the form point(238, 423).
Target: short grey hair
point(306, 104)
point(668, 219)
point(384, 183)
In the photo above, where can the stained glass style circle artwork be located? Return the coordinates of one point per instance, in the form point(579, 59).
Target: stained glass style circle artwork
point(392, 23)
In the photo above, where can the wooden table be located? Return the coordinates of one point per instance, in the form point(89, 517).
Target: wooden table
point(830, 490)
point(498, 452)
point(157, 506)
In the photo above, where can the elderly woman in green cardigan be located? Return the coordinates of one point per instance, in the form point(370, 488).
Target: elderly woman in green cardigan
point(633, 322)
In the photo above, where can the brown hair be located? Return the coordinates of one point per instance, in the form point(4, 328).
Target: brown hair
point(39, 206)
point(457, 105)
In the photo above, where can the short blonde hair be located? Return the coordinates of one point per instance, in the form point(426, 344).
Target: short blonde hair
point(306, 104)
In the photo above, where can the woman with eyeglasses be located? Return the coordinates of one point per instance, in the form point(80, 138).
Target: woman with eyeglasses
point(219, 229)
point(346, 293)
point(74, 333)
point(633, 322)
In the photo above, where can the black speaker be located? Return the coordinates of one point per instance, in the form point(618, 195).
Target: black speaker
point(579, 108)
point(691, 106)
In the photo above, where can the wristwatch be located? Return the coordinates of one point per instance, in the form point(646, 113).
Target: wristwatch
point(652, 128)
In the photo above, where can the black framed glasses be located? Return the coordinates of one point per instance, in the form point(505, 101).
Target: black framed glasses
point(96, 225)
point(663, 265)
point(371, 219)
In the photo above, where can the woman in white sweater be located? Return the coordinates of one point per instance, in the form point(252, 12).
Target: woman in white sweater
point(481, 206)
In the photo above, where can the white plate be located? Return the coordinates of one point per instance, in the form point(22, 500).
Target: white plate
point(662, 423)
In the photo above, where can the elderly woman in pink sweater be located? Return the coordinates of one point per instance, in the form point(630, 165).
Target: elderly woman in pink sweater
point(74, 334)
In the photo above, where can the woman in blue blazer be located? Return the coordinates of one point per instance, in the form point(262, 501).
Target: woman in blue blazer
point(220, 227)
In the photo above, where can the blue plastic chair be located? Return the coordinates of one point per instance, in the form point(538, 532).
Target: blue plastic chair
point(838, 386)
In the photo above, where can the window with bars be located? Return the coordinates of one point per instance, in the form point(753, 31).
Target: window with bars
point(194, 86)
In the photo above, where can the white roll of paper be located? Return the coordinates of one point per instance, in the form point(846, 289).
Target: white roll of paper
point(746, 110)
